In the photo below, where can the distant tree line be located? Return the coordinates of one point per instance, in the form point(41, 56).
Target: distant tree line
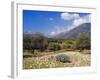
point(82, 41)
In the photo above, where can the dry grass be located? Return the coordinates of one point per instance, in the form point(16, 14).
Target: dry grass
point(48, 61)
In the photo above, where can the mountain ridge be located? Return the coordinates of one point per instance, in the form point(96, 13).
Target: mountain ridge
point(74, 32)
point(64, 35)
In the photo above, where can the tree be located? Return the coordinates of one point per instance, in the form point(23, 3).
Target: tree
point(83, 40)
point(53, 46)
point(26, 43)
point(69, 44)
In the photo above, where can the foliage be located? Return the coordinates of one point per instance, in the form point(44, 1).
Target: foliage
point(42, 44)
point(53, 46)
point(36, 53)
point(83, 41)
point(62, 58)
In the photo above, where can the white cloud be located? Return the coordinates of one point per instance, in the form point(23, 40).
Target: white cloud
point(76, 21)
point(52, 33)
point(60, 29)
point(81, 20)
point(69, 16)
point(57, 30)
point(75, 16)
point(66, 16)
point(87, 18)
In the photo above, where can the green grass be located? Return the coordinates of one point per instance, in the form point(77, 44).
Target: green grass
point(48, 61)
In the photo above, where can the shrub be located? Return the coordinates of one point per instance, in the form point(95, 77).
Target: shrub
point(51, 58)
point(36, 53)
point(54, 46)
point(83, 40)
point(62, 58)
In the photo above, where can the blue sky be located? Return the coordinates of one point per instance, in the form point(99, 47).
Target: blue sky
point(52, 23)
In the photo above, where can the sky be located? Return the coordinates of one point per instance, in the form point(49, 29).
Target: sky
point(52, 23)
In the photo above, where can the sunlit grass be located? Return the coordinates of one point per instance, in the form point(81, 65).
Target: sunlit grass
point(48, 61)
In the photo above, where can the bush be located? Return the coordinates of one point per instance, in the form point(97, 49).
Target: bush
point(83, 41)
point(36, 53)
point(62, 58)
point(54, 46)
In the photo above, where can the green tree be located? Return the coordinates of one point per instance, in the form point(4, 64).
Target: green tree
point(54, 46)
point(83, 40)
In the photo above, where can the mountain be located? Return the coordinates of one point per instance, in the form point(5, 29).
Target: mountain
point(74, 32)
point(64, 35)
point(33, 35)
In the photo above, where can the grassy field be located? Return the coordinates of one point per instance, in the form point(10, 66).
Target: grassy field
point(77, 59)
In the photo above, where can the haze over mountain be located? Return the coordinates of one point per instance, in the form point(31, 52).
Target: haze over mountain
point(63, 35)
point(73, 32)
point(33, 34)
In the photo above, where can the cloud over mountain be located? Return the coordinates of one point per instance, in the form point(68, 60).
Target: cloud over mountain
point(75, 20)
point(69, 16)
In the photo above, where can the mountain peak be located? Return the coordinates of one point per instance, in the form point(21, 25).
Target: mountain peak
point(73, 32)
